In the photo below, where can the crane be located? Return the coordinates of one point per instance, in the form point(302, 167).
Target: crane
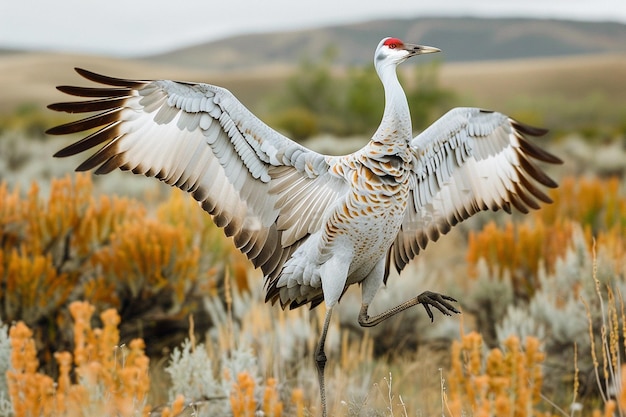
point(314, 224)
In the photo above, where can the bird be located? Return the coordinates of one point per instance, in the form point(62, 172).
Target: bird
point(315, 224)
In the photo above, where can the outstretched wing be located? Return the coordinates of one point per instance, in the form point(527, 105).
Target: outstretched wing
point(266, 191)
point(467, 161)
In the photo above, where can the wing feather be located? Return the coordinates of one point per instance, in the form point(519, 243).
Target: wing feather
point(469, 160)
point(265, 190)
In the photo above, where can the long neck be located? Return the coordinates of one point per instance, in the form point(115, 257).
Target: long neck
point(395, 127)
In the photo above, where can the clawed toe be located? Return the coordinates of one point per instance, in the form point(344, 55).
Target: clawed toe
point(439, 301)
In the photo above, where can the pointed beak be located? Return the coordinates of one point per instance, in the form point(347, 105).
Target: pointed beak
point(420, 49)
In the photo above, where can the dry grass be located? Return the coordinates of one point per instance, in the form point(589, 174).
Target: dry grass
point(261, 356)
point(494, 84)
point(31, 78)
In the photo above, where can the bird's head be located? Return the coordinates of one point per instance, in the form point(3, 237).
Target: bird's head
point(394, 51)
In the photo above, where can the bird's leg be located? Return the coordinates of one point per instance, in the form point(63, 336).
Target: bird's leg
point(320, 360)
point(427, 299)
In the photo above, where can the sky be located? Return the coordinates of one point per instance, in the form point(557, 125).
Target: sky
point(144, 27)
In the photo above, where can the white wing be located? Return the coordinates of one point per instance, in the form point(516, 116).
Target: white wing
point(467, 161)
point(266, 191)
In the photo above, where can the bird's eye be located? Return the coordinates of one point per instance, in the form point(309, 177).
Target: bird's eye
point(393, 43)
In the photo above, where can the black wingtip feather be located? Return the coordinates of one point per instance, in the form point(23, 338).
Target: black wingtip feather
point(528, 201)
point(88, 106)
point(108, 133)
point(535, 191)
point(528, 129)
point(104, 79)
point(537, 174)
point(538, 153)
point(93, 92)
point(103, 155)
point(87, 123)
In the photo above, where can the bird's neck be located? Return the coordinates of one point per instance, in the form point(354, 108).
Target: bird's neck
point(395, 128)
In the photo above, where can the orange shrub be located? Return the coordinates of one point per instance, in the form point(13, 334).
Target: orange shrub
point(243, 402)
point(112, 380)
point(592, 202)
point(521, 248)
point(501, 382)
point(108, 250)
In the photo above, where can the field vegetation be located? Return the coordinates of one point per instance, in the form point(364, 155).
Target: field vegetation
point(121, 298)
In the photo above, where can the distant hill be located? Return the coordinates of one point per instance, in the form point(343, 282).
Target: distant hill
point(5, 51)
point(573, 69)
point(461, 39)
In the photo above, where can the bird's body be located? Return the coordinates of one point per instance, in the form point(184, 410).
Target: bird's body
point(315, 224)
point(355, 234)
point(360, 225)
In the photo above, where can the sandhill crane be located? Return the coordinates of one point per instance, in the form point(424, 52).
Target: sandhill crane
point(314, 224)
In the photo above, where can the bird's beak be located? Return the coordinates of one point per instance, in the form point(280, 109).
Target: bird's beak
point(420, 49)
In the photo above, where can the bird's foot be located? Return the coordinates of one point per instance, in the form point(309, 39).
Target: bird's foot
point(439, 301)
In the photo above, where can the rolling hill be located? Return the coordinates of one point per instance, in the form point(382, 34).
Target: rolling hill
point(461, 40)
point(579, 83)
point(576, 69)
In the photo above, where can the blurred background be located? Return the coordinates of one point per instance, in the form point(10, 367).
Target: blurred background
point(129, 243)
point(308, 72)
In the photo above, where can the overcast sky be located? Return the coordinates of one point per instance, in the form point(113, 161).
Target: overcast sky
point(141, 27)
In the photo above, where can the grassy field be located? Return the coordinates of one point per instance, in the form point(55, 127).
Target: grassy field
point(543, 322)
point(502, 85)
point(541, 329)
